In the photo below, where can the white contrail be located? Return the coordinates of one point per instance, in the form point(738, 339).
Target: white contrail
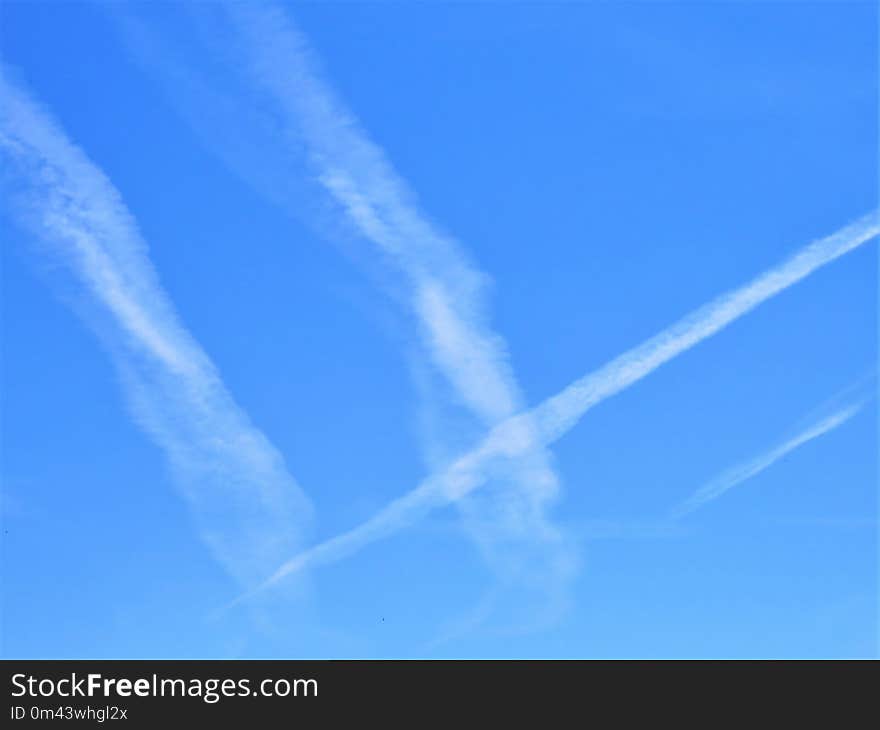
point(558, 414)
point(445, 291)
point(250, 510)
point(742, 472)
point(271, 62)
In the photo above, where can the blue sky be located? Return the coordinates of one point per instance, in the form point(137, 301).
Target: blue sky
point(378, 235)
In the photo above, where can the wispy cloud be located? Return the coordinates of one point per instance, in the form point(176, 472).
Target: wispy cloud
point(439, 286)
point(560, 413)
point(249, 509)
point(753, 467)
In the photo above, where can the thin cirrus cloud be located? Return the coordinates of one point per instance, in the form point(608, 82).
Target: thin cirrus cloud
point(560, 413)
point(266, 60)
point(249, 509)
point(749, 469)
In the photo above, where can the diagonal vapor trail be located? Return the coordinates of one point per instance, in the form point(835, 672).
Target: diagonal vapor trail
point(560, 413)
point(250, 511)
point(745, 471)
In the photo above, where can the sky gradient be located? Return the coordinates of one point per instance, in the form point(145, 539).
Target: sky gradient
point(445, 330)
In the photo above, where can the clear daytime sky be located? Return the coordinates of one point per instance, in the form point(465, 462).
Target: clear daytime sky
point(268, 268)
